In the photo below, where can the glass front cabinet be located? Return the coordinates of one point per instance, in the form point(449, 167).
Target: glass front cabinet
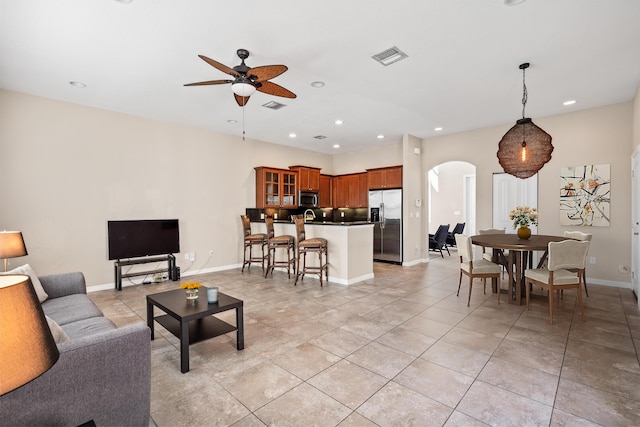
point(275, 188)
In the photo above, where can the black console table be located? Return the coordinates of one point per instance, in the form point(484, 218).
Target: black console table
point(171, 268)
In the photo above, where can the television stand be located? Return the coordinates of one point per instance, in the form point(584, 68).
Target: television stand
point(171, 268)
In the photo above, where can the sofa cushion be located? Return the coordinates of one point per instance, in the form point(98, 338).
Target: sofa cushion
point(70, 309)
point(58, 333)
point(85, 327)
point(26, 269)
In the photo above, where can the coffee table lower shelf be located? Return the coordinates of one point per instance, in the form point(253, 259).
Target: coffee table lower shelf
point(199, 329)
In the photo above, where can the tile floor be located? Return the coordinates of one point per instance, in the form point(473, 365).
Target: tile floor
point(397, 350)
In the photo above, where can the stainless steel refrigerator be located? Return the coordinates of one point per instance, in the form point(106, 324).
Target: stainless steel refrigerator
point(385, 211)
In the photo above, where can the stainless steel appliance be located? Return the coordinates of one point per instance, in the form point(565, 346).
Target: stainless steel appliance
point(308, 199)
point(385, 211)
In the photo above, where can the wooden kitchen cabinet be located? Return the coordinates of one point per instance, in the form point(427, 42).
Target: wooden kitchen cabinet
point(350, 191)
point(380, 178)
point(308, 177)
point(276, 188)
point(326, 191)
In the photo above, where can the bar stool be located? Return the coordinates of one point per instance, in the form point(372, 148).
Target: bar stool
point(274, 242)
point(314, 245)
point(250, 240)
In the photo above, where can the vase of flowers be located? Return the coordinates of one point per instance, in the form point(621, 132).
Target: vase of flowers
point(523, 217)
point(191, 289)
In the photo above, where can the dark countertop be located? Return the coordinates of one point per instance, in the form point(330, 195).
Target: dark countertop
point(332, 223)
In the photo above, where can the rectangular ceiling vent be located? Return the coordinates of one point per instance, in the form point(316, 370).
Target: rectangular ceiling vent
point(319, 137)
point(389, 56)
point(274, 105)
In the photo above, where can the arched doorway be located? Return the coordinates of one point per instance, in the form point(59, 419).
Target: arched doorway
point(452, 196)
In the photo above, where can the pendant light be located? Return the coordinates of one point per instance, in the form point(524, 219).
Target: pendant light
point(525, 148)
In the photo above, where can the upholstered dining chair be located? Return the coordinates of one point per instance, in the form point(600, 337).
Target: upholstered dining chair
point(480, 268)
point(563, 258)
point(488, 255)
point(579, 235)
point(458, 229)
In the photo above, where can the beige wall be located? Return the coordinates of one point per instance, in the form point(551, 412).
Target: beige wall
point(359, 161)
point(447, 204)
point(596, 136)
point(67, 169)
point(413, 240)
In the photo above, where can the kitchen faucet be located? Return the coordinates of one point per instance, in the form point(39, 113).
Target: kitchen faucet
point(309, 214)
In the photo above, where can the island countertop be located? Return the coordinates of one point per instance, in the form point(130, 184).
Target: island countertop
point(350, 246)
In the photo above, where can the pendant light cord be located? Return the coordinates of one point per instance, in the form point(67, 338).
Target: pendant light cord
point(524, 92)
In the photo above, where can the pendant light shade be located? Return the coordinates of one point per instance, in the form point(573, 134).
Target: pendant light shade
point(525, 148)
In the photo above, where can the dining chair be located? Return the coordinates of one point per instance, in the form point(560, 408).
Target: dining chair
point(480, 268)
point(458, 229)
point(488, 255)
point(579, 235)
point(438, 241)
point(563, 257)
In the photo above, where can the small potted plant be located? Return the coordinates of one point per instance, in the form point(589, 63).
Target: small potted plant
point(192, 289)
point(522, 217)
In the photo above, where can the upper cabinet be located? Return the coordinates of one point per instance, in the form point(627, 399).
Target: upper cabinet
point(276, 188)
point(308, 178)
point(326, 191)
point(390, 177)
point(350, 191)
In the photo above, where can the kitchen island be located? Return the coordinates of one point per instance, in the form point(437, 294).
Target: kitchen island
point(350, 247)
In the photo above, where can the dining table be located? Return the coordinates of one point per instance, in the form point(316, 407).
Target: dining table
point(520, 258)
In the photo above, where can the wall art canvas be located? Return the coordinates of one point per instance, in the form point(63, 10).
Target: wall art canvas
point(585, 195)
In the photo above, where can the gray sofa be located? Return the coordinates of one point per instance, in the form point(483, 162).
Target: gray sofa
point(103, 373)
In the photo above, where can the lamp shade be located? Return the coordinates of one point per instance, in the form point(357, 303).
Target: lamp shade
point(12, 244)
point(243, 89)
point(27, 348)
point(524, 149)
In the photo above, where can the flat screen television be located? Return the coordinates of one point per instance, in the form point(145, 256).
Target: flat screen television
point(140, 238)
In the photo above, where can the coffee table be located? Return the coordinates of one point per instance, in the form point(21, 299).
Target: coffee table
point(194, 321)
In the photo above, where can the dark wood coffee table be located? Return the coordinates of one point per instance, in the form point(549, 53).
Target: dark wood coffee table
point(194, 322)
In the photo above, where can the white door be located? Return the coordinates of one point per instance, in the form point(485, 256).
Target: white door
point(470, 205)
point(509, 192)
point(635, 222)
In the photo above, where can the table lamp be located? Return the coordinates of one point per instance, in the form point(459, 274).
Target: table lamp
point(11, 245)
point(27, 348)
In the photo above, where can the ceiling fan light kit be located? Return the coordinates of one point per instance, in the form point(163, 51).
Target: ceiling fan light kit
point(525, 148)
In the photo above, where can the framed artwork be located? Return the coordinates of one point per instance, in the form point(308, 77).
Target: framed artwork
point(585, 195)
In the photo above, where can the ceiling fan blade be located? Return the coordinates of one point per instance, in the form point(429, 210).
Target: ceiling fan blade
point(274, 89)
point(241, 100)
point(209, 82)
point(220, 66)
point(267, 72)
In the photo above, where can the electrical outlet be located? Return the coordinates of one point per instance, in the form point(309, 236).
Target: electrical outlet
point(211, 252)
point(592, 260)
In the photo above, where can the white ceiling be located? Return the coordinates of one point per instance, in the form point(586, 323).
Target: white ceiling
point(462, 71)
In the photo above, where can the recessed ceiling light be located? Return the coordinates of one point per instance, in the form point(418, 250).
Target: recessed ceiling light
point(317, 84)
point(336, 145)
point(380, 136)
point(232, 122)
point(124, 1)
point(438, 129)
point(513, 2)
point(292, 135)
point(570, 102)
point(339, 122)
point(78, 84)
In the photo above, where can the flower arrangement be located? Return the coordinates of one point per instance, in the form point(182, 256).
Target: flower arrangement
point(523, 216)
point(190, 285)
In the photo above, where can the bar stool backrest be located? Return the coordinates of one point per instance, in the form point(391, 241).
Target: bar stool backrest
point(269, 223)
point(246, 225)
point(299, 221)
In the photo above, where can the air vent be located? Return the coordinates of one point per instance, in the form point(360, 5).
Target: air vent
point(319, 137)
point(389, 56)
point(274, 105)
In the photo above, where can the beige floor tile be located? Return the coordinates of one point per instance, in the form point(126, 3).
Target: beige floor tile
point(456, 357)
point(604, 333)
point(596, 405)
point(428, 327)
point(395, 405)
point(458, 419)
point(260, 384)
point(487, 327)
point(564, 419)
point(339, 342)
point(551, 342)
point(496, 406)
point(367, 328)
point(406, 341)
point(396, 313)
point(382, 360)
point(530, 356)
point(444, 316)
point(305, 360)
point(357, 420)
point(532, 383)
point(472, 340)
point(348, 383)
point(303, 406)
point(436, 382)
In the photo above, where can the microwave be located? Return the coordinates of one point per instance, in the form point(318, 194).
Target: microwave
point(308, 199)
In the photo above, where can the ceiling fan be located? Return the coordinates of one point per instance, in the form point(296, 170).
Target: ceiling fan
point(248, 80)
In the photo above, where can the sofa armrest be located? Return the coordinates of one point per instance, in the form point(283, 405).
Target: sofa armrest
point(104, 377)
point(60, 285)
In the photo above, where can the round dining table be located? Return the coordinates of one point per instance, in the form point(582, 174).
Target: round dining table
point(519, 259)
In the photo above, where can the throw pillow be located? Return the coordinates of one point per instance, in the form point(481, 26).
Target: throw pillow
point(59, 335)
point(26, 269)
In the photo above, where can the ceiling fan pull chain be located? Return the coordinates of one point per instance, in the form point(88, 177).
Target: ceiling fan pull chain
point(243, 122)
